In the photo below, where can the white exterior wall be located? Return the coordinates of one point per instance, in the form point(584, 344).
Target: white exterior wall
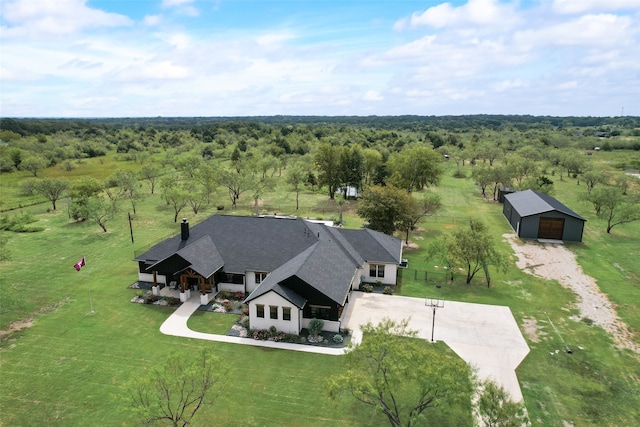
point(329, 325)
point(390, 274)
point(148, 277)
point(250, 280)
point(271, 298)
point(231, 287)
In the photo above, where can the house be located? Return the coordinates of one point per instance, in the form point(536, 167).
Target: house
point(292, 270)
point(535, 215)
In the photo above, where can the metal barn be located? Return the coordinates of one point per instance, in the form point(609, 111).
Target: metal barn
point(535, 215)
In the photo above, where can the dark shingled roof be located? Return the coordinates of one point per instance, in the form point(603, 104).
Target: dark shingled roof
point(530, 202)
point(325, 258)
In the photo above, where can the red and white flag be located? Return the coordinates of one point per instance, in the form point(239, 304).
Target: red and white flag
point(81, 263)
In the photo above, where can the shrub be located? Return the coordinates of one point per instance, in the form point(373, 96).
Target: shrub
point(238, 295)
point(387, 290)
point(224, 294)
point(261, 334)
point(245, 309)
point(346, 331)
point(366, 288)
point(337, 338)
point(227, 305)
point(290, 338)
point(315, 326)
point(244, 322)
point(273, 330)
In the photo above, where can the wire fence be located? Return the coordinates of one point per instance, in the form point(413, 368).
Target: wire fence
point(438, 277)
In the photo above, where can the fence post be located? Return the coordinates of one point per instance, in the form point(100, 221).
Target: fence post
point(415, 274)
point(425, 277)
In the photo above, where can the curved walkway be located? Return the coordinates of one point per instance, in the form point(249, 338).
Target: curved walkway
point(485, 336)
point(176, 325)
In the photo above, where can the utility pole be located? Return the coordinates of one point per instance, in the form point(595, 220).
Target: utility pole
point(434, 303)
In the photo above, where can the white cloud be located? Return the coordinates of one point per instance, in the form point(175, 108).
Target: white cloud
point(152, 20)
point(183, 7)
point(372, 95)
point(588, 30)
point(476, 12)
point(580, 6)
point(33, 18)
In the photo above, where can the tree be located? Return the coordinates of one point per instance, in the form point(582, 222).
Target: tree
point(351, 168)
point(177, 390)
point(176, 197)
point(80, 191)
point(473, 249)
point(400, 375)
point(385, 208)
point(33, 164)
point(123, 184)
point(414, 168)
point(327, 161)
point(237, 182)
point(99, 211)
point(151, 173)
point(430, 204)
point(296, 177)
point(51, 188)
point(497, 409)
point(611, 204)
point(483, 178)
point(594, 177)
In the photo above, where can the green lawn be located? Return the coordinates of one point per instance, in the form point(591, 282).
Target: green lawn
point(70, 367)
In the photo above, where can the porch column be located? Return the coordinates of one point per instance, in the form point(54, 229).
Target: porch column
point(204, 296)
point(155, 290)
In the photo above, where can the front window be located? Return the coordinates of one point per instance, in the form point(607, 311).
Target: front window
point(260, 310)
point(320, 311)
point(376, 270)
point(260, 277)
point(273, 311)
point(286, 313)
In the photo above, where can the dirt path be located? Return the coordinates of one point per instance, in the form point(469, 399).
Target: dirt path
point(555, 262)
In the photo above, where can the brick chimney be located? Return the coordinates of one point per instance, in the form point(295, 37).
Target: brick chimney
point(184, 229)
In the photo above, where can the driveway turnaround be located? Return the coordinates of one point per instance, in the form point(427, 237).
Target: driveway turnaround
point(484, 336)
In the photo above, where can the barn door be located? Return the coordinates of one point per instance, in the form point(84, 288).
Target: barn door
point(551, 228)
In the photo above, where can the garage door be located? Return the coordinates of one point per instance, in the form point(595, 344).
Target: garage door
point(551, 228)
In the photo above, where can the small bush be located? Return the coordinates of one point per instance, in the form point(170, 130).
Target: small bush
point(337, 338)
point(244, 322)
point(245, 309)
point(315, 326)
point(366, 288)
point(273, 330)
point(224, 294)
point(346, 331)
point(261, 334)
point(387, 290)
point(238, 295)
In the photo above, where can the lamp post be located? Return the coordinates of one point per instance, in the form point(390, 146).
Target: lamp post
point(434, 303)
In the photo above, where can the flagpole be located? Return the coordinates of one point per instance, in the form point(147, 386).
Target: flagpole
point(89, 286)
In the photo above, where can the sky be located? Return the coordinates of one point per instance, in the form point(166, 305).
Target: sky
point(170, 58)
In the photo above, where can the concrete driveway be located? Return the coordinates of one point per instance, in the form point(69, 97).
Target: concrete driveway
point(485, 336)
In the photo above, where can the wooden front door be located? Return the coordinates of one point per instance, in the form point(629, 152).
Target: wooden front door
point(551, 228)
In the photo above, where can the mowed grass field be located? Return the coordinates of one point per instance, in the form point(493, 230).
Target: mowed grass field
point(69, 368)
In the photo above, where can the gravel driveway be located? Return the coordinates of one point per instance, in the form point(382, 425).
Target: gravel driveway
point(552, 260)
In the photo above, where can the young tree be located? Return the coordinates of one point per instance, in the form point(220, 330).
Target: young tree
point(51, 188)
point(611, 204)
point(80, 191)
point(430, 204)
point(400, 375)
point(236, 182)
point(99, 211)
point(497, 409)
point(296, 177)
point(385, 208)
point(175, 391)
point(176, 197)
point(473, 249)
point(33, 164)
point(151, 173)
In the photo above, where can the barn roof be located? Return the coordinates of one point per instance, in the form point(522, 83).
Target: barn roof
point(530, 202)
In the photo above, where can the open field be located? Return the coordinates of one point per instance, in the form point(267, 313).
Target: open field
point(69, 367)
